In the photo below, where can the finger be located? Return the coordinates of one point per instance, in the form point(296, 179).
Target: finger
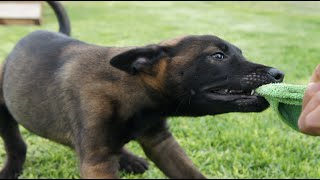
point(310, 91)
point(310, 106)
point(316, 74)
point(312, 122)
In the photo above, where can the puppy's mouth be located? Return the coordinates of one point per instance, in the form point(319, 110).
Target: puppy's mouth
point(240, 100)
point(231, 94)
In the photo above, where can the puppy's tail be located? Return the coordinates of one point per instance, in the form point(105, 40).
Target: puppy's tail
point(63, 19)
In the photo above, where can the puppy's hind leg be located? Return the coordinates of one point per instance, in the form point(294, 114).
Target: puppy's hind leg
point(15, 147)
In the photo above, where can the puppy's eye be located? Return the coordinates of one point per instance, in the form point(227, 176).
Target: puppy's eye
point(218, 55)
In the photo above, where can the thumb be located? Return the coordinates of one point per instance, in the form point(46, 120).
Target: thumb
point(311, 90)
point(316, 75)
point(313, 87)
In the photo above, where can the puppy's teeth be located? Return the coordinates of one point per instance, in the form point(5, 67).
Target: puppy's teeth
point(252, 92)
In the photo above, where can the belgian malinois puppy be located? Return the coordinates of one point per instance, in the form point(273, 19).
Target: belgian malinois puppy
point(96, 99)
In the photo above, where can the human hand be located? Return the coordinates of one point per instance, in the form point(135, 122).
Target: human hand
point(309, 120)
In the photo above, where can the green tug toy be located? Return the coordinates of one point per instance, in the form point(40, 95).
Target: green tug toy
point(286, 100)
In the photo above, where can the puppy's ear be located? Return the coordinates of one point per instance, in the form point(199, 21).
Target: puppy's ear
point(138, 60)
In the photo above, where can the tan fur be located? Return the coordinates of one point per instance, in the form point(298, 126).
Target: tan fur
point(172, 42)
point(98, 171)
point(157, 82)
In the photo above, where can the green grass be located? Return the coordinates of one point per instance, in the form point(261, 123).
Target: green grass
point(285, 35)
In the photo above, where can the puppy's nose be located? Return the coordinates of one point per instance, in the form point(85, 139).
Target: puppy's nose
point(276, 74)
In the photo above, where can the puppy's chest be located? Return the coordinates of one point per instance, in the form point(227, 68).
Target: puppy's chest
point(140, 123)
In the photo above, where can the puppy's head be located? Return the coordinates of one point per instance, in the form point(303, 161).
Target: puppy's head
point(199, 75)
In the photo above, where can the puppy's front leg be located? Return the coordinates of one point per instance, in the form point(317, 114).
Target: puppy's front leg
point(97, 139)
point(161, 147)
point(98, 162)
point(98, 153)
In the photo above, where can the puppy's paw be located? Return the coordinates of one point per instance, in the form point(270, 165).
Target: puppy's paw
point(9, 174)
point(132, 164)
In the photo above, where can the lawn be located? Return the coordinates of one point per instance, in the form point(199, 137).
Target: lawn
point(285, 35)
